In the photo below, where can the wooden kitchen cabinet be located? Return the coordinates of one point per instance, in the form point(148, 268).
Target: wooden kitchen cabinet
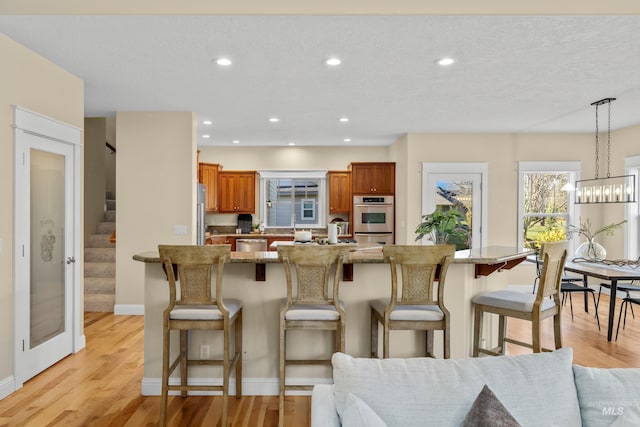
point(374, 178)
point(237, 192)
point(340, 199)
point(208, 175)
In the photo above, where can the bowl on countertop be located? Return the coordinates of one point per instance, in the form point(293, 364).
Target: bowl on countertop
point(302, 236)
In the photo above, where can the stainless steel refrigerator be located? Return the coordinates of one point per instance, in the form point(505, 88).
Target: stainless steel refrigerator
point(200, 214)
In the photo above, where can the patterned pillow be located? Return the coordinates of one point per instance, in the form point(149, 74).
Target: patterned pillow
point(487, 411)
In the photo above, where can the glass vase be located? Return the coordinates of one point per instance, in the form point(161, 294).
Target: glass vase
point(591, 250)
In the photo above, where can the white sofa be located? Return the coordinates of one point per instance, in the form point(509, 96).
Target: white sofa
point(542, 389)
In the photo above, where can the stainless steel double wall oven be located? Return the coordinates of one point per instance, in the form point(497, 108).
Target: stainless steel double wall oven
point(373, 219)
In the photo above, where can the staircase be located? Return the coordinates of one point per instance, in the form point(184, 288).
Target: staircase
point(100, 265)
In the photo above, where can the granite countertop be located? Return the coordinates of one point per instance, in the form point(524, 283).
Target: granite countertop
point(491, 255)
point(372, 254)
point(249, 235)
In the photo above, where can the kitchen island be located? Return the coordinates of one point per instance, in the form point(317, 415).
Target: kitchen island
point(472, 271)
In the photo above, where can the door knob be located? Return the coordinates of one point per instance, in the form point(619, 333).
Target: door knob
point(71, 260)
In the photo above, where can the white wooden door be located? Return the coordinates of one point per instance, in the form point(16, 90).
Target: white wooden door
point(458, 185)
point(46, 246)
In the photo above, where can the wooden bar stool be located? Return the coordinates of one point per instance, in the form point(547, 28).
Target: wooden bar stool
point(197, 309)
point(543, 304)
point(310, 304)
point(417, 308)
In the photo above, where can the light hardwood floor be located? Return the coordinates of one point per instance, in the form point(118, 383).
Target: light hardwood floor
point(100, 386)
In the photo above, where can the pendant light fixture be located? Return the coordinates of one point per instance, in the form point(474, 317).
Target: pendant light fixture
point(612, 189)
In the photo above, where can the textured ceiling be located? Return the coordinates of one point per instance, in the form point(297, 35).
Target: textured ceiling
point(514, 74)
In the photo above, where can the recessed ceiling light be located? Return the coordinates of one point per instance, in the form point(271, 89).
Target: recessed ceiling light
point(207, 122)
point(333, 62)
point(223, 62)
point(347, 140)
point(235, 141)
point(344, 119)
point(292, 143)
point(445, 61)
point(206, 135)
point(274, 119)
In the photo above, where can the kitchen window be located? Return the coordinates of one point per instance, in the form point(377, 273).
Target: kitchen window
point(293, 197)
point(546, 205)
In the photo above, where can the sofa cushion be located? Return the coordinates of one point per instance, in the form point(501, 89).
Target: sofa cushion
point(608, 397)
point(424, 391)
point(359, 414)
point(488, 411)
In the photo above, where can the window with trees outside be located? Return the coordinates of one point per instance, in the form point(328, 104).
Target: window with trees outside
point(546, 201)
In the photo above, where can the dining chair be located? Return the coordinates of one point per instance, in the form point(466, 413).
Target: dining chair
point(567, 288)
point(417, 300)
point(627, 288)
point(311, 304)
point(545, 303)
point(626, 302)
point(197, 309)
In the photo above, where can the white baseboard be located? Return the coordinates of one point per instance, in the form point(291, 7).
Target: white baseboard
point(7, 386)
point(80, 343)
point(250, 386)
point(128, 310)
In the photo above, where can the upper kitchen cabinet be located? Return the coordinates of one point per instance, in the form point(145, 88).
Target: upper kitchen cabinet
point(374, 178)
point(340, 199)
point(208, 175)
point(237, 192)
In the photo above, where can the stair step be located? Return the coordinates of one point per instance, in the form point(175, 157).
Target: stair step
point(99, 302)
point(99, 241)
point(111, 204)
point(99, 285)
point(99, 269)
point(106, 227)
point(110, 215)
point(99, 254)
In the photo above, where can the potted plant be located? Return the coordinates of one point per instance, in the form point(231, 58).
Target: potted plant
point(441, 225)
point(592, 250)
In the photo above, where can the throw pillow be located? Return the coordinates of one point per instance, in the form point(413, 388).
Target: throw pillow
point(487, 410)
point(358, 414)
point(608, 396)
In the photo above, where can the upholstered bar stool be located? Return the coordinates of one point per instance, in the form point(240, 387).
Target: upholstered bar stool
point(310, 303)
point(197, 309)
point(543, 304)
point(420, 306)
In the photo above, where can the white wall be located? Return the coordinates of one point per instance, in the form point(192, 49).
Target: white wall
point(156, 177)
point(94, 177)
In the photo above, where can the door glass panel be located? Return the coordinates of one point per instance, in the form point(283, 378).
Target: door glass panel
point(47, 268)
point(457, 194)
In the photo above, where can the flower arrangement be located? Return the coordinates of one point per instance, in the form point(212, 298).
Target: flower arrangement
point(591, 250)
point(585, 229)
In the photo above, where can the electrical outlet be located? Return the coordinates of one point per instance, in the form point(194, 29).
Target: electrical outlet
point(180, 230)
point(204, 352)
point(245, 355)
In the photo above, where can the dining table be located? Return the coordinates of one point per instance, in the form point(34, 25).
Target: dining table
point(608, 272)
